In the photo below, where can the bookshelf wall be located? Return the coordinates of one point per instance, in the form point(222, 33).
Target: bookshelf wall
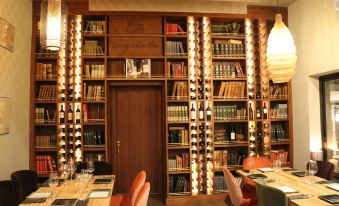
point(220, 106)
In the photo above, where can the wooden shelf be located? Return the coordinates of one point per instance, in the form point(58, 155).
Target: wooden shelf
point(176, 35)
point(93, 79)
point(280, 142)
point(218, 99)
point(278, 99)
point(135, 57)
point(227, 121)
point(227, 36)
point(226, 78)
point(178, 147)
point(46, 149)
point(135, 35)
point(228, 58)
point(177, 122)
point(179, 172)
point(231, 145)
point(93, 57)
point(176, 57)
point(278, 120)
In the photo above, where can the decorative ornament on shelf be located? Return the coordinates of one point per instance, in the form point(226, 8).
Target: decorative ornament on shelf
point(53, 24)
point(281, 52)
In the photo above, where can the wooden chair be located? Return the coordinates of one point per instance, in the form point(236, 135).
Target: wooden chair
point(258, 162)
point(142, 197)
point(325, 170)
point(100, 168)
point(28, 182)
point(238, 196)
point(269, 196)
point(129, 200)
point(9, 193)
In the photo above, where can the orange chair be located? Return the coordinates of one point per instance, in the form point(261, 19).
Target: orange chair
point(257, 162)
point(239, 197)
point(129, 200)
point(143, 195)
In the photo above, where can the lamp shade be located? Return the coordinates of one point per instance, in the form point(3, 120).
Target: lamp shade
point(52, 24)
point(317, 155)
point(281, 53)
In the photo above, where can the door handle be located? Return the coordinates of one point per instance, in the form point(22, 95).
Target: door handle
point(118, 146)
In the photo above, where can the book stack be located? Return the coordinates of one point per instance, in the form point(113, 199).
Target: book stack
point(228, 48)
point(177, 113)
point(94, 92)
point(46, 141)
point(93, 138)
point(47, 92)
point(174, 28)
point(95, 27)
point(45, 71)
point(179, 162)
point(279, 111)
point(227, 69)
point(220, 159)
point(178, 184)
point(94, 71)
point(277, 133)
point(45, 164)
point(176, 69)
point(280, 154)
point(175, 48)
point(230, 89)
point(40, 116)
point(179, 90)
point(92, 48)
point(178, 136)
point(229, 113)
point(94, 157)
point(278, 91)
point(220, 135)
point(235, 159)
point(219, 183)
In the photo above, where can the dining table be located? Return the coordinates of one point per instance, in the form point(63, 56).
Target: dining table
point(78, 191)
point(307, 188)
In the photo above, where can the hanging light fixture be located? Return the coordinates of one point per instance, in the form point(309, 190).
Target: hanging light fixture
point(52, 24)
point(281, 55)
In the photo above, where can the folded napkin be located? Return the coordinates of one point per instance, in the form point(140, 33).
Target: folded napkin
point(100, 193)
point(295, 197)
point(33, 200)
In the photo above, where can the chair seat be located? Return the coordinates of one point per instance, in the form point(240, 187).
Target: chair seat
point(126, 201)
point(116, 200)
point(249, 196)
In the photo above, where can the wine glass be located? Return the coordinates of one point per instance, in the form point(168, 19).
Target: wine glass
point(250, 163)
point(313, 168)
point(53, 182)
point(90, 167)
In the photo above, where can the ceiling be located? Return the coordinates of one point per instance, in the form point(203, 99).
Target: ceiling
point(283, 3)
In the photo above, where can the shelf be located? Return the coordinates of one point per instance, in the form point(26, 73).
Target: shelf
point(278, 120)
point(45, 124)
point(135, 35)
point(222, 99)
point(93, 57)
point(94, 101)
point(178, 146)
point(227, 78)
point(93, 148)
point(45, 102)
point(123, 78)
point(178, 171)
point(47, 57)
point(227, 36)
point(278, 99)
point(46, 80)
point(46, 149)
point(177, 98)
point(135, 57)
point(226, 121)
point(284, 142)
point(180, 194)
point(176, 57)
point(93, 78)
point(177, 35)
point(94, 123)
point(177, 122)
point(231, 144)
point(92, 35)
point(228, 58)
point(174, 78)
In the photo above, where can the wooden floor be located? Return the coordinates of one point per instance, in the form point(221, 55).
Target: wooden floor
point(156, 201)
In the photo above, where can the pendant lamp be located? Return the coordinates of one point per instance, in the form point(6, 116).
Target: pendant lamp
point(281, 55)
point(52, 24)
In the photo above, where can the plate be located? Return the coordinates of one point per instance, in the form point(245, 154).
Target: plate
point(287, 189)
point(100, 193)
point(333, 199)
point(298, 174)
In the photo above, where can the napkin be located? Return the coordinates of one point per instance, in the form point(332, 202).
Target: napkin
point(99, 193)
point(39, 195)
point(287, 189)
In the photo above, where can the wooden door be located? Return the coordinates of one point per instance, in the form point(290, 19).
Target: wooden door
point(136, 132)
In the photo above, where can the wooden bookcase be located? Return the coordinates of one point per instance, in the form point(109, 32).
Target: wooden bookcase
point(184, 59)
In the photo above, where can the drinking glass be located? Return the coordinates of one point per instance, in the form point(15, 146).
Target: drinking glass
point(312, 168)
point(277, 166)
point(250, 164)
point(90, 167)
point(53, 182)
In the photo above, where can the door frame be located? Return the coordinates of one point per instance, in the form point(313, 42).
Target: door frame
point(111, 140)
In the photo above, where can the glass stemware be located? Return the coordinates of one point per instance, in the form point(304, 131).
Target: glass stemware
point(90, 167)
point(313, 168)
point(53, 183)
point(250, 164)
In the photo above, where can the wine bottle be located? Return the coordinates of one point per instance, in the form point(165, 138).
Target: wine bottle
point(70, 114)
point(201, 112)
point(232, 134)
point(208, 113)
point(265, 111)
point(62, 114)
point(251, 112)
point(193, 113)
point(77, 115)
point(99, 139)
point(258, 112)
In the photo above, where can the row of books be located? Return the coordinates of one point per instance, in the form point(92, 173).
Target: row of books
point(178, 184)
point(45, 164)
point(229, 113)
point(47, 92)
point(179, 89)
point(95, 27)
point(46, 141)
point(176, 69)
point(227, 47)
point(178, 135)
point(219, 183)
point(227, 69)
point(278, 91)
point(42, 52)
point(179, 162)
point(94, 71)
point(96, 115)
point(279, 111)
point(92, 48)
point(230, 89)
point(45, 71)
point(93, 137)
point(174, 28)
point(226, 28)
point(94, 92)
point(277, 132)
point(280, 155)
point(41, 118)
point(177, 113)
point(220, 135)
point(175, 48)
point(235, 159)
point(220, 158)
point(95, 157)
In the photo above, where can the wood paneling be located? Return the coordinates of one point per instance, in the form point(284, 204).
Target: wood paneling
point(135, 25)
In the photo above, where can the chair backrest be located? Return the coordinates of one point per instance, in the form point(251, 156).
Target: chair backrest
point(234, 189)
point(269, 196)
point(9, 193)
point(137, 184)
point(325, 170)
point(258, 162)
point(142, 197)
point(100, 168)
point(28, 182)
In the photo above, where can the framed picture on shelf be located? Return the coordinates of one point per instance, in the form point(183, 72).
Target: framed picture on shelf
point(138, 68)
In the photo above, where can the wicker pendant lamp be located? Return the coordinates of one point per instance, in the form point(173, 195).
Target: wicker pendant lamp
point(52, 24)
point(281, 55)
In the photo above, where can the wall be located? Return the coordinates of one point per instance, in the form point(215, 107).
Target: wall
point(315, 27)
point(14, 80)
